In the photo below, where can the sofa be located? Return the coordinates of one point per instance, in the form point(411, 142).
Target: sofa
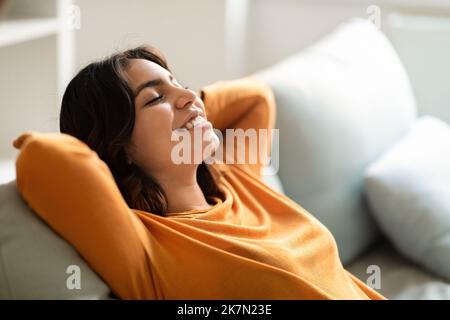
point(345, 109)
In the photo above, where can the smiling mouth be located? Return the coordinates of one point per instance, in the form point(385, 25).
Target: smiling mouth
point(198, 121)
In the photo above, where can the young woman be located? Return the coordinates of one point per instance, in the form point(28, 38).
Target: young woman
point(156, 229)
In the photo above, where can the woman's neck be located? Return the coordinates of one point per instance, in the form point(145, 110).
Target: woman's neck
point(183, 192)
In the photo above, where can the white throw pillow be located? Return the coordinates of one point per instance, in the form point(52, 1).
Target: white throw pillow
point(409, 191)
point(340, 103)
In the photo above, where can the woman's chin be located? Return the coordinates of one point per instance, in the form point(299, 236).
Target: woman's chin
point(202, 141)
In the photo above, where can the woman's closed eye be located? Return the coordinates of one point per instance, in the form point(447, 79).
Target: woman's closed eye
point(157, 99)
point(160, 98)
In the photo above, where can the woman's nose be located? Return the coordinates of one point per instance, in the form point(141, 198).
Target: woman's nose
point(185, 98)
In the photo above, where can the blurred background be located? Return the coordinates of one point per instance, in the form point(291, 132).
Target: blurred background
point(44, 42)
point(343, 105)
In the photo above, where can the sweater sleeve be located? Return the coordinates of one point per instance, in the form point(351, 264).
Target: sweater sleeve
point(247, 104)
point(73, 191)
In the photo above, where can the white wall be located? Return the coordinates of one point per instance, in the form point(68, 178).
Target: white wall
point(425, 52)
point(190, 33)
point(27, 90)
point(28, 72)
point(202, 48)
point(278, 29)
point(420, 34)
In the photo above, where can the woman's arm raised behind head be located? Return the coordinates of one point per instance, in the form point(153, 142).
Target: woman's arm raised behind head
point(72, 189)
point(246, 103)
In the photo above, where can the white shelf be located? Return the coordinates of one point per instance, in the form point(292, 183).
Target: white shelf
point(21, 30)
point(36, 53)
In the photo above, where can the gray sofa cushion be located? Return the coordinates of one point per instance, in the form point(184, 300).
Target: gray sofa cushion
point(340, 103)
point(399, 278)
point(34, 260)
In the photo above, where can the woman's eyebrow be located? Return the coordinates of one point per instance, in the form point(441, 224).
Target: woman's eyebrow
point(149, 84)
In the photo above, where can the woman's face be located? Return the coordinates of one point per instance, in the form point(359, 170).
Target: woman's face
point(164, 107)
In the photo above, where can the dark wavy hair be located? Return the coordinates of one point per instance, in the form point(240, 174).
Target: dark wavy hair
point(98, 108)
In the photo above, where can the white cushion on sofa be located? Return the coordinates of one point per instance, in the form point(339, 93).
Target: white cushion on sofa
point(340, 103)
point(34, 259)
point(409, 191)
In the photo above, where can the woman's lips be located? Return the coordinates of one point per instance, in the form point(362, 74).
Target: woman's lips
point(192, 115)
point(197, 122)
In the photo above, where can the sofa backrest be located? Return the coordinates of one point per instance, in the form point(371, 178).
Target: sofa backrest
point(340, 103)
point(35, 262)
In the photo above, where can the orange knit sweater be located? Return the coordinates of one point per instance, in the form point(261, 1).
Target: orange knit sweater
point(253, 244)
